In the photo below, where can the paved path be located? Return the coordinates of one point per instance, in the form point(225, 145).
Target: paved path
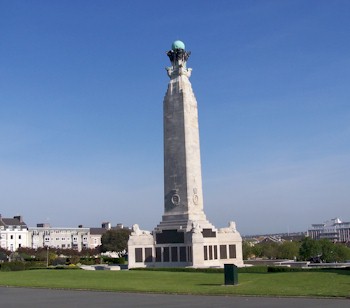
point(25, 297)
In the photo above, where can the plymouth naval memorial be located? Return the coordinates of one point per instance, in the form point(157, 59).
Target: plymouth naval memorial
point(184, 237)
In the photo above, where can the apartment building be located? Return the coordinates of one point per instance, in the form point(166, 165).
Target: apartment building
point(334, 230)
point(13, 233)
point(43, 235)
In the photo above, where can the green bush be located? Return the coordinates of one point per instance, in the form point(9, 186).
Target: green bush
point(35, 265)
point(64, 267)
point(121, 260)
point(88, 261)
point(181, 269)
point(114, 260)
point(342, 270)
point(251, 269)
point(13, 266)
point(59, 261)
point(279, 269)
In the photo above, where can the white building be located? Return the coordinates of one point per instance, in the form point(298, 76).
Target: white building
point(96, 234)
point(334, 230)
point(65, 238)
point(13, 233)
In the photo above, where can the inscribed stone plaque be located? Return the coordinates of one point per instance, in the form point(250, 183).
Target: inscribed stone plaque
point(166, 254)
point(138, 255)
point(232, 251)
point(223, 252)
point(148, 255)
point(170, 237)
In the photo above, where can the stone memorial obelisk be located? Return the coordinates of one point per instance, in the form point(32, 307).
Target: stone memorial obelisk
point(184, 237)
point(183, 202)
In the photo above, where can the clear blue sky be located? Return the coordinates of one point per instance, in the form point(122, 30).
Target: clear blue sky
point(81, 91)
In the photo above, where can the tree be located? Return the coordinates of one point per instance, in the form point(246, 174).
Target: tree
point(328, 250)
point(334, 252)
point(309, 248)
point(4, 253)
point(28, 253)
point(115, 240)
point(247, 250)
point(270, 250)
point(341, 253)
point(288, 250)
point(257, 251)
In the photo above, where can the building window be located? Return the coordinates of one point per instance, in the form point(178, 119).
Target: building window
point(138, 255)
point(223, 252)
point(11, 237)
point(215, 252)
point(182, 254)
point(189, 253)
point(148, 255)
point(158, 254)
point(166, 254)
point(232, 251)
point(210, 252)
point(19, 237)
point(174, 257)
point(205, 252)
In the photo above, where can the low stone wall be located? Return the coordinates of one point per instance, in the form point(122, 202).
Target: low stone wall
point(101, 267)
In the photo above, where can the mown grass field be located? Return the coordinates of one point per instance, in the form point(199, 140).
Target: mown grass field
point(322, 284)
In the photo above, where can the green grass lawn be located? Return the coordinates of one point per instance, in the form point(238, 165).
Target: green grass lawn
point(327, 284)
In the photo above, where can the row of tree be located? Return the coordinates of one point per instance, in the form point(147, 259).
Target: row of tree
point(305, 250)
point(117, 240)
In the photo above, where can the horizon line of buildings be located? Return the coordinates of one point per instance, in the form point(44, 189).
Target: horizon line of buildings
point(14, 234)
point(334, 230)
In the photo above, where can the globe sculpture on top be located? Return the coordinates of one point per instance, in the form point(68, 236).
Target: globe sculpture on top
point(178, 45)
point(178, 57)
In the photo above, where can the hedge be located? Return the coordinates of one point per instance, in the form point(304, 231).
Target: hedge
point(251, 269)
point(12, 266)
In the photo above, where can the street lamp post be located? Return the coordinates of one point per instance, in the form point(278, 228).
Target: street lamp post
point(47, 256)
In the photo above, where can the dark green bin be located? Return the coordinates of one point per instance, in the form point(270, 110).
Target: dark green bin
point(231, 274)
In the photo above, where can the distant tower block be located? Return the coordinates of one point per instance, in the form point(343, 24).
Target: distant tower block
point(184, 237)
